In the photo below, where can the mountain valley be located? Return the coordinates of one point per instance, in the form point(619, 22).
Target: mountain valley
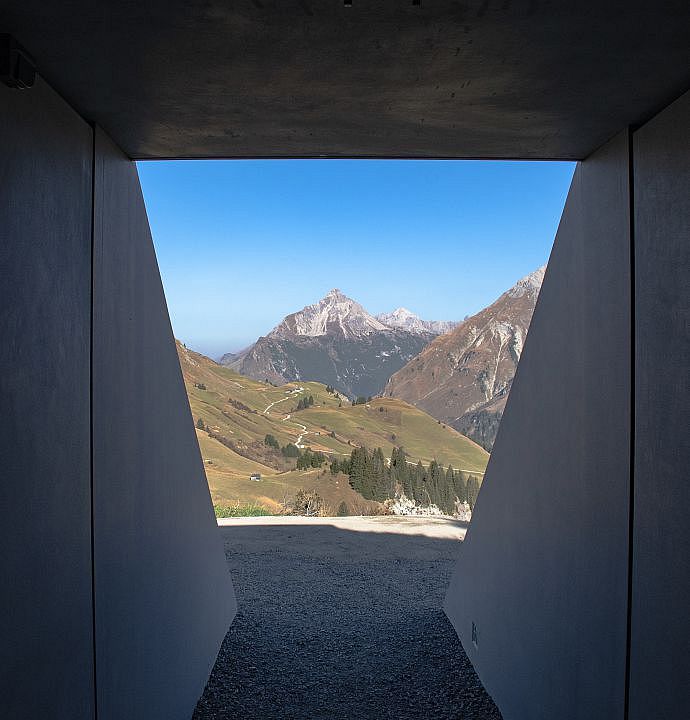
point(244, 425)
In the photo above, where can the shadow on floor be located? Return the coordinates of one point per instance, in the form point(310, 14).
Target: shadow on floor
point(338, 624)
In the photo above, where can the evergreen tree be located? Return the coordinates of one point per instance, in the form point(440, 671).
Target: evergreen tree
point(317, 459)
point(200, 424)
point(472, 490)
point(358, 470)
point(290, 450)
point(343, 509)
point(448, 495)
point(368, 489)
point(406, 474)
point(304, 460)
point(461, 487)
point(418, 485)
point(394, 471)
point(377, 476)
point(433, 484)
point(399, 472)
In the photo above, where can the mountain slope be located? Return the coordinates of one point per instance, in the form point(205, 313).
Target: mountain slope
point(237, 414)
point(337, 342)
point(463, 377)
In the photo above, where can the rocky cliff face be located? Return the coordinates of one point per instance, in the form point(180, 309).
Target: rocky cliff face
point(337, 342)
point(335, 314)
point(463, 377)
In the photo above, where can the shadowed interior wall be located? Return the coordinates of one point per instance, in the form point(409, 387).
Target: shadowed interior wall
point(45, 280)
point(542, 574)
point(163, 595)
point(121, 426)
point(660, 676)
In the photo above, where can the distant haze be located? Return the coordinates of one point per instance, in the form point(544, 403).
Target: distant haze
point(241, 244)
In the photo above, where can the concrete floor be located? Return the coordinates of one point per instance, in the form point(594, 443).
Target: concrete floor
point(342, 618)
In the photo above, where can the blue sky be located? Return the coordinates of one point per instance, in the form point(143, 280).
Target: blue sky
point(242, 243)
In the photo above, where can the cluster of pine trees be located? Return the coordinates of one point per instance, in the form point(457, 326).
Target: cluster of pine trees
point(304, 403)
point(290, 450)
point(309, 459)
point(305, 460)
point(376, 479)
point(271, 441)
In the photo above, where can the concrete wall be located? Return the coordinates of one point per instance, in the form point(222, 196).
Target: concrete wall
point(107, 519)
point(660, 670)
point(579, 605)
point(45, 485)
point(542, 574)
point(163, 594)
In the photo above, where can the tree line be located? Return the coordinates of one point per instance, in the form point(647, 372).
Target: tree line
point(304, 403)
point(305, 460)
point(375, 479)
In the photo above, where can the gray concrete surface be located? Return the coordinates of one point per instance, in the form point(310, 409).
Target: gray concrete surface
point(660, 668)
point(45, 496)
point(98, 451)
point(477, 78)
point(341, 619)
point(542, 573)
point(163, 596)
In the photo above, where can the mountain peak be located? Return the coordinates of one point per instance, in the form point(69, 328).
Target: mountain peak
point(403, 312)
point(407, 320)
point(530, 284)
point(334, 314)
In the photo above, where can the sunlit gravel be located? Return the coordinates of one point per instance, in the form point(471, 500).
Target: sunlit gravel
point(335, 624)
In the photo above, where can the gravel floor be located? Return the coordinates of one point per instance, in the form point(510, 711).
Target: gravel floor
point(334, 623)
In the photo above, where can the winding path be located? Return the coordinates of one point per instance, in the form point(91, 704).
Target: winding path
point(303, 428)
point(296, 391)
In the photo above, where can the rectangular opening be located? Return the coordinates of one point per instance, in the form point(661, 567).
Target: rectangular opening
point(349, 330)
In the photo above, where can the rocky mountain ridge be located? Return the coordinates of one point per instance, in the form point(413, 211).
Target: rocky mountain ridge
point(334, 314)
point(463, 377)
point(407, 320)
point(337, 342)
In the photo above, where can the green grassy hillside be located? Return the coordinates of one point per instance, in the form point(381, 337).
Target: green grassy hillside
point(237, 413)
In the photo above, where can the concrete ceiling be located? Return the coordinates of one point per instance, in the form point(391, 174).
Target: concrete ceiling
point(382, 78)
